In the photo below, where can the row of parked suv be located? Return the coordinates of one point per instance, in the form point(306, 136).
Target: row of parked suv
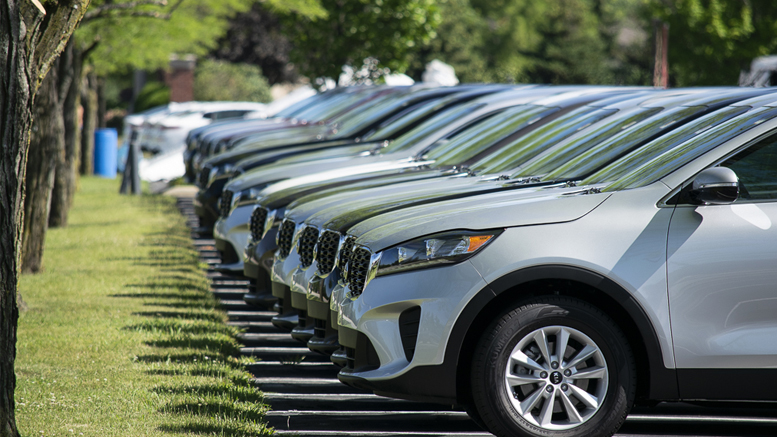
point(544, 257)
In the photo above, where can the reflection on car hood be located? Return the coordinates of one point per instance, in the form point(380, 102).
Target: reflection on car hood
point(282, 193)
point(492, 211)
point(311, 209)
point(303, 152)
point(349, 149)
point(279, 171)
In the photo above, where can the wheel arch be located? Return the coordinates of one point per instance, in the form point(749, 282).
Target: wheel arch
point(655, 381)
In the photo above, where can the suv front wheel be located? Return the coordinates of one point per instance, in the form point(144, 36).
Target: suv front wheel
point(553, 367)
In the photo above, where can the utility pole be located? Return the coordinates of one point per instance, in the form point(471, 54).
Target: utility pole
point(661, 70)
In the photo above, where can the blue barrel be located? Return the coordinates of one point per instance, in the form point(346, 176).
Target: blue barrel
point(105, 152)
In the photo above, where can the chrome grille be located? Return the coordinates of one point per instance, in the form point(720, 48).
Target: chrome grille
point(258, 219)
point(226, 203)
point(358, 269)
point(326, 251)
point(345, 252)
point(307, 241)
point(285, 236)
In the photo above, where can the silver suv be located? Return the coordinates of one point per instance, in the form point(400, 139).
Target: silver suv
point(551, 314)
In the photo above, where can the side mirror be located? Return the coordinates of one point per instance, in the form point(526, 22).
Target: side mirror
point(715, 186)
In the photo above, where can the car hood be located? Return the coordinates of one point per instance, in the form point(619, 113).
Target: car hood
point(294, 134)
point(344, 150)
point(224, 131)
point(493, 211)
point(282, 193)
point(280, 171)
point(238, 153)
point(317, 150)
point(370, 203)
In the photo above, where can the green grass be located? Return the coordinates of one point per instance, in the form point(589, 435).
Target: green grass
point(122, 336)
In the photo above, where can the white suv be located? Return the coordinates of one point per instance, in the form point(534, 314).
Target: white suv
point(552, 313)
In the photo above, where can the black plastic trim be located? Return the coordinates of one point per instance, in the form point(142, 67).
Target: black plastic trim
point(227, 251)
point(728, 384)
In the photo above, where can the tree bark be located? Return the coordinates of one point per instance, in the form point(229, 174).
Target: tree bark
point(89, 103)
point(47, 146)
point(67, 161)
point(28, 45)
point(101, 110)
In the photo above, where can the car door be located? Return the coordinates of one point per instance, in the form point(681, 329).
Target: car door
point(722, 285)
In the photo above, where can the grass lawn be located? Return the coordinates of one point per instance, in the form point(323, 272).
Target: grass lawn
point(122, 336)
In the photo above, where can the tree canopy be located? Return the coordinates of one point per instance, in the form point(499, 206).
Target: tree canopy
point(388, 30)
point(141, 34)
point(555, 41)
point(710, 41)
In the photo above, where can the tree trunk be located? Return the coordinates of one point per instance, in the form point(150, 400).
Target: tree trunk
point(28, 45)
point(47, 142)
point(89, 103)
point(15, 115)
point(67, 162)
point(101, 110)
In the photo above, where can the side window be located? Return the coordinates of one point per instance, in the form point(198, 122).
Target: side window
point(756, 168)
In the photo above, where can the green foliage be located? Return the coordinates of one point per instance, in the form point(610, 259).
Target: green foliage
point(459, 42)
point(554, 41)
point(305, 8)
point(152, 94)
point(220, 80)
point(144, 36)
point(388, 30)
point(710, 41)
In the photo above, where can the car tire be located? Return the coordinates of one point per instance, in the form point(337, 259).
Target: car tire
point(520, 386)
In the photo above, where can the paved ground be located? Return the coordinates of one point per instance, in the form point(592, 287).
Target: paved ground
point(307, 399)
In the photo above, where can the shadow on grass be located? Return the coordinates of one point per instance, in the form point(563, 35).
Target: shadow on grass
point(182, 305)
point(222, 345)
point(216, 373)
point(185, 358)
point(164, 295)
point(200, 429)
point(225, 410)
point(205, 387)
point(213, 317)
point(93, 224)
point(190, 270)
point(177, 326)
point(239, 394)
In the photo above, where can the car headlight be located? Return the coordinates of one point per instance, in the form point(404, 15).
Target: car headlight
point(440, 249)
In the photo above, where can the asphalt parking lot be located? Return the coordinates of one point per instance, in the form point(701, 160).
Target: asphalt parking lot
point(306, 398)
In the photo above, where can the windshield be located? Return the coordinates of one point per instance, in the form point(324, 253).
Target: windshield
point(432, 125)
point(291, 111)
point(477, 140)
point(529, 146)
point(583, 141)
point(390, 128)
point(329, 107)
point(621, 144)
point(352, 122)
point(664, 155)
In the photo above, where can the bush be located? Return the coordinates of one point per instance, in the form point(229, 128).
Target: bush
point(219, 80)
point(152, 94)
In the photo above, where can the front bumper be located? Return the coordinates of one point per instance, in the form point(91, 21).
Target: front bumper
point(374, 328)
point(232, 234)
point(258, 256)
point(206, 204)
